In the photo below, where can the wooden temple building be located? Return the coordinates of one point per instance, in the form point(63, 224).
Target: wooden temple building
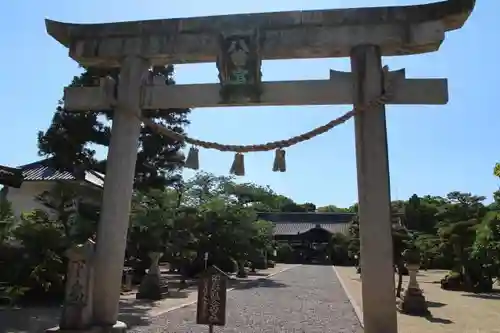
point(308, 233)
point(314, 226)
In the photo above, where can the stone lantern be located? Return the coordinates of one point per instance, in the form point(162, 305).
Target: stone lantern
point(152, 287)
point(413, 300)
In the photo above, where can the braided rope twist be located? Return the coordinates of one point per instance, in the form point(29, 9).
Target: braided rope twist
point(381, 100)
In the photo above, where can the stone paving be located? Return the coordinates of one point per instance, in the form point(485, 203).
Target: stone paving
point(134, 312)
point(304, 299)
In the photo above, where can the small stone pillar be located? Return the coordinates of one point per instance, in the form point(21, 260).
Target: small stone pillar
point(151, 286)
point(128, 280)
point(412, 271)
point(77, 308)
point(413, 300)
point(241, 269)
point(266, 266)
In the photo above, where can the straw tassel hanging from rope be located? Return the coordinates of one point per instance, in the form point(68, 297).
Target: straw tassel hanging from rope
point(279, 160)
point(238, 166)
point(192, 160)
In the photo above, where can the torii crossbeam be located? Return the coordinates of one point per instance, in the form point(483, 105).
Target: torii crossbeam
point(337, 90)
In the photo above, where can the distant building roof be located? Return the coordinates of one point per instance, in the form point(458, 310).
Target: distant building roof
point(41, 171)
point(285, 228)
point(297, 223)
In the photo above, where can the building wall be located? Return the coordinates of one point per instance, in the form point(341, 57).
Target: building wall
point(23, 199)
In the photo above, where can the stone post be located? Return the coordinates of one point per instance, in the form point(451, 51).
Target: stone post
point(412, 272)
point(128, 281)
point(77, 308)
point(379, 304)
point(155, 257)
point(120, 168)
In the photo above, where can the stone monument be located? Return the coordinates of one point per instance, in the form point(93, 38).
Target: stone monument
point(362, 34)
point(77, 308)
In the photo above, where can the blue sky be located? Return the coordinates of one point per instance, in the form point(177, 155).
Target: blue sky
point(433, 149)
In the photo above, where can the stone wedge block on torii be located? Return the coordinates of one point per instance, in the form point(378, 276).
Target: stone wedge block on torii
point(336, 91)
point(397, 30)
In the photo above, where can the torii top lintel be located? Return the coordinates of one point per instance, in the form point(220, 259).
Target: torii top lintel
point(398, 30)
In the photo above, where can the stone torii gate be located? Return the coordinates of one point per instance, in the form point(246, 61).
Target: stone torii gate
point(363, 34)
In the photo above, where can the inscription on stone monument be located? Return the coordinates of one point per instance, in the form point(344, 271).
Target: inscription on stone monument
point(77, 310)
point(76, 294)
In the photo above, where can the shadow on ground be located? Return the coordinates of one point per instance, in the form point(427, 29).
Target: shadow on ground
point(436, 320)
point(494, 295)
point(429, 317)
point(257, 274)
point(37, 319)
point(259, 283)
point(134, 312)
point(28, 319)
point(431, 304)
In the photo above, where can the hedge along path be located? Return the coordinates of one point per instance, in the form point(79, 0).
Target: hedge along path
point(237, 168)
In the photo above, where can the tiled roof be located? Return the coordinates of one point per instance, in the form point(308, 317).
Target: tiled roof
point(306, 217)
point(285, 228)
point(40, 171)
point(295, 223)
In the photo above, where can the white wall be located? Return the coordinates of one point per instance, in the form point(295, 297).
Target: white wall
point(23, 199)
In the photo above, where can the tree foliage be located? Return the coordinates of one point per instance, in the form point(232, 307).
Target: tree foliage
point(456, 232)
point(216, 215)
point(73, 137)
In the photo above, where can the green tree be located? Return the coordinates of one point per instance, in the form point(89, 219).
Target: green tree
point(354, 243)
point(401, 240)
point(40, 242)
point(419, 214)
point(429, 246)
point(75, 208)
point(7, 219)
point(338, 248)
point(459, 219)
point(72, 136)
point(486, 250)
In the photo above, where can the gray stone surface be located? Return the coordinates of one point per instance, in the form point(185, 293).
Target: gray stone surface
point(398, 30)
point(305, 299)
point(452, 12)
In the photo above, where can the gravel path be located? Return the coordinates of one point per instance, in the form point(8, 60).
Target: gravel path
point(304, 299)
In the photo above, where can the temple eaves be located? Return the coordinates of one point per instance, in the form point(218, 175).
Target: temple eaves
point(398, 30)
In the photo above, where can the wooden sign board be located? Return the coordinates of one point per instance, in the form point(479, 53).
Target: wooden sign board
point(11, 177)
point(212, 293)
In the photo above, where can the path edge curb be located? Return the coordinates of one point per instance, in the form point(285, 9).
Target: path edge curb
point(354, 304)
point(180, 306)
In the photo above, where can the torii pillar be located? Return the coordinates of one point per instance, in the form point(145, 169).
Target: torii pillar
point(118, 186)
point(374, 193)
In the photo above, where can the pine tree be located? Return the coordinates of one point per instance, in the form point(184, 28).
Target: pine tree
point(70, 140)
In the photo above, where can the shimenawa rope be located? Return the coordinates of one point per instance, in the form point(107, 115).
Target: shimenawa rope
point(279, 163)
